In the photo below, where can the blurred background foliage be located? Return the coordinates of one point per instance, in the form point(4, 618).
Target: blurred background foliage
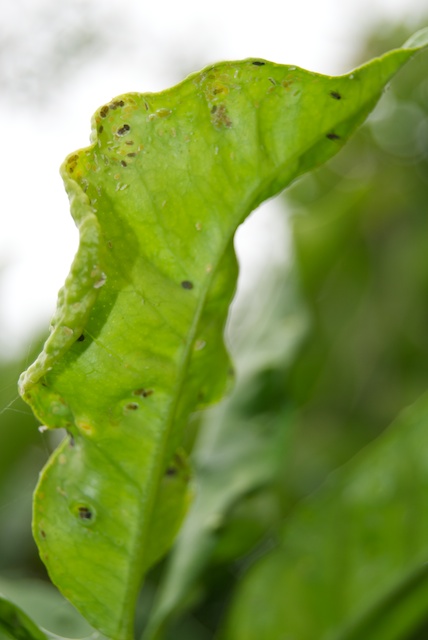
point(359, 227)
point(336, 348)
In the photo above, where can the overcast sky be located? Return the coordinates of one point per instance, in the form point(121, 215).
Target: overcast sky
point(60, 61)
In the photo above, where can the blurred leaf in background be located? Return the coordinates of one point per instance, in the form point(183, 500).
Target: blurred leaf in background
point(360, 229)
point(21, 454)
point(352, 559)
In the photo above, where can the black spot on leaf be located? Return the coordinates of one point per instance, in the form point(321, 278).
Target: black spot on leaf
point(145, 393)
point(85, 513)
point(333, 136)
point(123, 130)
point(335, 95)
point(258, 63)
point(186, 284)
point(81, 338)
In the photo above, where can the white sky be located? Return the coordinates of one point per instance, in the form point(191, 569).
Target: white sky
point(153, 45)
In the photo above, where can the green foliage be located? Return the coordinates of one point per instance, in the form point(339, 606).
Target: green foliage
point(21, 457)
point(242, 449)
point(137, 345)
point(354, 554)
point(359, 227)
point(16, 625)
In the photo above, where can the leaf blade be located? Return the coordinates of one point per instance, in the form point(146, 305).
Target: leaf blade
point(352, 559)
point(157, 198)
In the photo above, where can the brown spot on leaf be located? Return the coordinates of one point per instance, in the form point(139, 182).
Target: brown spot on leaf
point(220, 117)
point(145, 393)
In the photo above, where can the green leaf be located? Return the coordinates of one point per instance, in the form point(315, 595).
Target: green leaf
point(136, 341)
point(352, 563)
point(242, 448)
point(46, 607)
point(16, 624)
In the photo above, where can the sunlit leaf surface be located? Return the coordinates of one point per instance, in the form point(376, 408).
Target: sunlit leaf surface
point(136, 341)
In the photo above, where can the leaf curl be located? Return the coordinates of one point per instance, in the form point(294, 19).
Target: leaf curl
point(137, 339)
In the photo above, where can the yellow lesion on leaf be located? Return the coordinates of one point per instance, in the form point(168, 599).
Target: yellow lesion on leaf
point(85, 427)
